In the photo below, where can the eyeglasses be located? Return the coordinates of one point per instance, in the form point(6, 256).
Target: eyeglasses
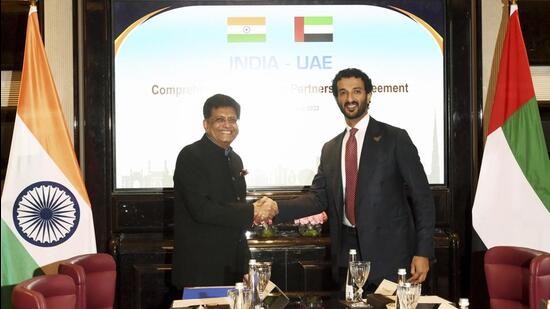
point(223, 120)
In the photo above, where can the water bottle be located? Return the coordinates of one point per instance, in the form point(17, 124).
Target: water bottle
point(463, 303)
point(350, 290)
point(401, 279)
point(254, 283)
point(239, 303)
point(239, 297)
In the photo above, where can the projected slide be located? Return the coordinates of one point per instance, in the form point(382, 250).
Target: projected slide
point(278, 62)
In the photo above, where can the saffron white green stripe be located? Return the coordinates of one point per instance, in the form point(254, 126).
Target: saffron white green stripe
point(246, 29)
point(34, 165)
point(46, 213)
point(243, 38)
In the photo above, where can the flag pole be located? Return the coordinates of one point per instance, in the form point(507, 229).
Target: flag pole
point(33, 2)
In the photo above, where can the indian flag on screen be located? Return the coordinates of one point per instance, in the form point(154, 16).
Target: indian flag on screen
point(246, 29)
point(46, 211)
point(313, 29)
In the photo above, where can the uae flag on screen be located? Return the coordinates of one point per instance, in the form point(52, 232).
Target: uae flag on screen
point(246, 29)
point(46, 212)
point(512, 201)
point(313, 29)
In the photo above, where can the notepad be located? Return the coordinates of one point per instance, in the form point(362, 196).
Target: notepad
point(205, 292)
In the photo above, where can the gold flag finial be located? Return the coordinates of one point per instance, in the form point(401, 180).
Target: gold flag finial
point(33, 2)
point(513, 2)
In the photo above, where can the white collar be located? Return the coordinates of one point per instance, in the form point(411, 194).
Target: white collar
point(361, 125)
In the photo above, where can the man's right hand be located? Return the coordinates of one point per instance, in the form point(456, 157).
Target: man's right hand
point(420, 266)
point(264, 210)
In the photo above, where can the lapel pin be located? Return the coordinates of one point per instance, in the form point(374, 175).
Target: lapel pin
point(377, 138)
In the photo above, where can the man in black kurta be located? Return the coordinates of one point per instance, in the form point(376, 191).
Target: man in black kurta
point(211, 212)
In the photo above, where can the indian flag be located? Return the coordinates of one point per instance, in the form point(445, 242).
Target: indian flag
point(512, 202)
point(245, 29)
point(46, 213)
point(313, 29)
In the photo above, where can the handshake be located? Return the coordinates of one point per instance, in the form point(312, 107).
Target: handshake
point(264, 210)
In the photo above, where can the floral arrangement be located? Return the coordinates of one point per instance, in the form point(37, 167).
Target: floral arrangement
point(311, 226)
point(315, 219)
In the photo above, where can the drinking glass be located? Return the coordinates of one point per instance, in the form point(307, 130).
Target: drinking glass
point(359, 274)
point(243, 302)
point(263, 270)
point(408, 295)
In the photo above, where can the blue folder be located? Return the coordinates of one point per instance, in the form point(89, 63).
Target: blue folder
point(205, 292)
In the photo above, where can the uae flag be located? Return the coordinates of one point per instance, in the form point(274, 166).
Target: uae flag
point(512, 202)
point(46, 213)
point(313, 29)
point(245, 29)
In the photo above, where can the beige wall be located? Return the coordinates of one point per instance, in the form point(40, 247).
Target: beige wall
point(494, 14)
point(58, 37)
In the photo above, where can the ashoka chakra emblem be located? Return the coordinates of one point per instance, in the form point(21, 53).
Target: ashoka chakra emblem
point(46, 213)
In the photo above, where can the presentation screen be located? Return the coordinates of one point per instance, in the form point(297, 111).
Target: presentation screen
point(278, 62)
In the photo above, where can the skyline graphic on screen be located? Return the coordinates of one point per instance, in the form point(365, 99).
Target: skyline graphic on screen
point(278, 62)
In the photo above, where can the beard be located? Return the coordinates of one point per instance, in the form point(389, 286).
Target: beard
point(357, 112)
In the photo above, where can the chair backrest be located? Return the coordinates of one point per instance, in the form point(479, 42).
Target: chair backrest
point(95, 278)
point(540, 279)
point(508, 276)
point(45, 292)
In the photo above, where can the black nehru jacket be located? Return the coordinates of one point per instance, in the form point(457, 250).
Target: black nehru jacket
point(211, 216)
